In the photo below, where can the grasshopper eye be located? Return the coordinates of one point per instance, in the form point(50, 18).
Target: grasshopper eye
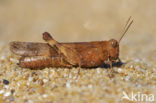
point(114, 43)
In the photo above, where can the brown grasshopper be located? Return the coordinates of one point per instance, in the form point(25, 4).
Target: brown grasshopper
point(74, 54)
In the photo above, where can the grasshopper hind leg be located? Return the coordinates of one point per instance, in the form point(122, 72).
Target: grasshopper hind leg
point(70, 54)
point(38, 62)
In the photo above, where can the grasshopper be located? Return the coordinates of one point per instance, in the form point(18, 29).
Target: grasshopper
point(71, 54)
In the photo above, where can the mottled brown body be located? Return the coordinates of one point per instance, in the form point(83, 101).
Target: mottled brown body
point(75, 54)
point(42, 55)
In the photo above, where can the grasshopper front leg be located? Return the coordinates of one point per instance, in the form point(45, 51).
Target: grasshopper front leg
point(110, 63)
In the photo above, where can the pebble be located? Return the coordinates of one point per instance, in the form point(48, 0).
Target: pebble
point(2, 91)
point(119, 70)
point(127, 78)
point(131, 66)
point(12, 91)
point(30, 101)
point(70, 75)
point(30, 79)
point(14, 60)
point(44, 95)
point(137, 60)
point(6, 82)
point(11, 99)
point(98, 70)
point(45, 80)
point(41, 82)
point(67, 84)
point(7, 94)
point(2, 57)
point(90, 86)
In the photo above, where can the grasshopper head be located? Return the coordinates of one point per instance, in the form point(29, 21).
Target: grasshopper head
point(113, 49)
point(113, 45)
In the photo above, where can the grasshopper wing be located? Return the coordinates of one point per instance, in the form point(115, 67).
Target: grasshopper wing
point(32, 49)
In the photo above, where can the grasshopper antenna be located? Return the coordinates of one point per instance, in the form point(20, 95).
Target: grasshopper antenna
point(128, 24)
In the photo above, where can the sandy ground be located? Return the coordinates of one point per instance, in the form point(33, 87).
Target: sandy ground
point(81, 20)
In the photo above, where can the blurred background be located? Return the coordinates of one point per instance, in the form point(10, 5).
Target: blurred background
point(82, 20)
